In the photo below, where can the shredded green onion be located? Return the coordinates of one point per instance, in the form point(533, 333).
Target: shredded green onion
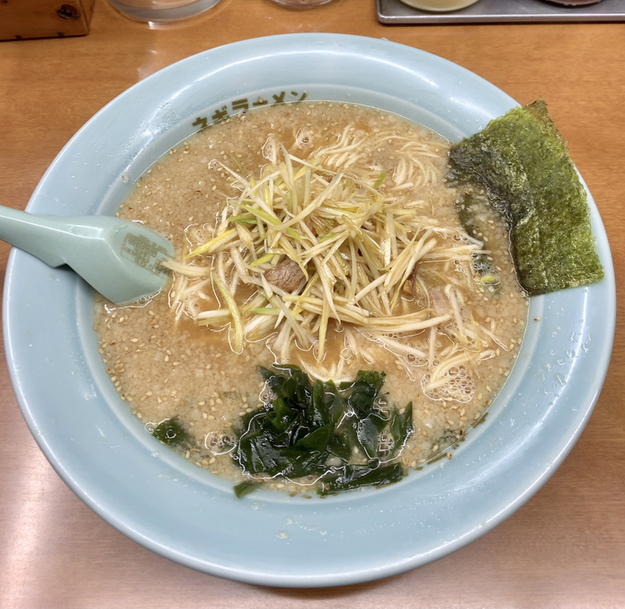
point(360, 250)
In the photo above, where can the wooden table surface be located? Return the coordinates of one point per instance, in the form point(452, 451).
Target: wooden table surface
point(564, 548)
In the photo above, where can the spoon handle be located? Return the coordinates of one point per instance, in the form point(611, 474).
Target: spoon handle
point(46, 237)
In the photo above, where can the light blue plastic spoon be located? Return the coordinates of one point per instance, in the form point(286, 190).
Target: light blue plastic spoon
point(119, 258)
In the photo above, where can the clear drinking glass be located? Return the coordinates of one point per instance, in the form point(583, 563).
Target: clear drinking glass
point(162, 11)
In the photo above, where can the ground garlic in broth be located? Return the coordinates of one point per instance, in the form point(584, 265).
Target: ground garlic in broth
point(163, 365)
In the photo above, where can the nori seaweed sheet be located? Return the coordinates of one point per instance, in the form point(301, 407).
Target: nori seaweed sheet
point(522, 164)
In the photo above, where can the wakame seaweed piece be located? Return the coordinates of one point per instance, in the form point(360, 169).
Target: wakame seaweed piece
point(285, 432)
point(401, 427)
point(319, 411)
point(340, 447)
point(523, 164)
point(281, 438)
point(170, 432)
point(282, 415)
point(244, 488)
point(307, 426)
point(297, 389)
point(364, 392)
point(256, 454)
point(304, 463)
point(334, 404)
point(368, 433)
point(292, 461)
point(317, 439)
point(351, 477)
point(326, 404)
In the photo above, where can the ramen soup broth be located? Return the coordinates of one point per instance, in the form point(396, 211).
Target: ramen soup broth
point(165, 364)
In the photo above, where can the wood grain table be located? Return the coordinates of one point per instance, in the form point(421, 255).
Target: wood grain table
point(564, 548)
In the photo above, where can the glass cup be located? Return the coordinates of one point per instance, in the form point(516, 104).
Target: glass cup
point(439, 6)
point(162, 11)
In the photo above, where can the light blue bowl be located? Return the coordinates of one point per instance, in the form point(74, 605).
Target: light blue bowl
point(164, 503)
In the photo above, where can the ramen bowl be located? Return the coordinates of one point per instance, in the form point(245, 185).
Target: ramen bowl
point(154, 496)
